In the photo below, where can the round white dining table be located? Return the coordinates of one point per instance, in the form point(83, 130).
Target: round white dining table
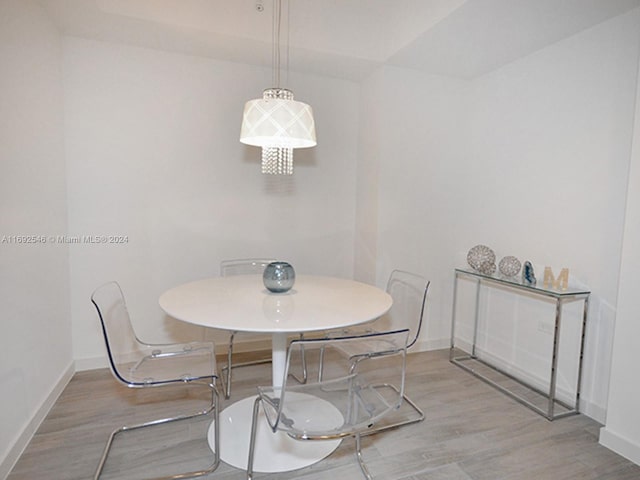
point(242, 303)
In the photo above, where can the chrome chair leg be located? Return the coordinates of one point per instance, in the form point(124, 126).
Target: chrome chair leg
point(363, 466)
point(405, 399)
point(214, 406)
point(321, 365)
point(303, 362)
point(418, 411)
point(228, 368)
point(252, 441)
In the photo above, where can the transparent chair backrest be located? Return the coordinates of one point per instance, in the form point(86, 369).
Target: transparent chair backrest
point(353, 391)
point(244, 266)
point(123, 347)
point(409, 294)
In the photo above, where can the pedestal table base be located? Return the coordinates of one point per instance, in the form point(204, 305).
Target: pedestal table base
point(275, 452)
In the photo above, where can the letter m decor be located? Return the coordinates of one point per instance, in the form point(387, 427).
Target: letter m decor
point(559, 283)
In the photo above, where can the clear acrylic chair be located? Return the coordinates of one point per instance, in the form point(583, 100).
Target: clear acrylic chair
point(140, 365)
point(245, 266)
point(241, 266)
point(409, 293)
point(354, 393)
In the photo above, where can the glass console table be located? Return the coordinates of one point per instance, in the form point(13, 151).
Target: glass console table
point(470, 361)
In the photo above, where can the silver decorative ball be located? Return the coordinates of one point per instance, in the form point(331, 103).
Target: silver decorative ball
point(509, 266)
point(481, 258)
point(487, 268)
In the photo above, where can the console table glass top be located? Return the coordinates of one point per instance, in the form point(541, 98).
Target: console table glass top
point(516, 282)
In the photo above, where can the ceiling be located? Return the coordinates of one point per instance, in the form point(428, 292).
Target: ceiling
point(341, 38)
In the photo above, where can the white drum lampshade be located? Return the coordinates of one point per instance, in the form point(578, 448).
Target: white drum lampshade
point(276, 122)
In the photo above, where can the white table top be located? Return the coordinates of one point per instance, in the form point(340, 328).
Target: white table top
point(242, 303)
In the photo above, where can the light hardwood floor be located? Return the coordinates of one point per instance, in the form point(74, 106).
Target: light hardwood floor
point(471, 431)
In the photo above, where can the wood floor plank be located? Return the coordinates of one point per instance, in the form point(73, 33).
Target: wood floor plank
point(471, 432)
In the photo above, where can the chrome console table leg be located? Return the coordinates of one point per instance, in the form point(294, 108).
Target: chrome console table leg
point(560, 298)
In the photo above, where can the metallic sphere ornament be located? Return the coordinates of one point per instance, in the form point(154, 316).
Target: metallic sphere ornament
point(509, 266)
point(482, 259)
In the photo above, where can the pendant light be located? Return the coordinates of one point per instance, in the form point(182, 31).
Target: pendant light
point(276, 122)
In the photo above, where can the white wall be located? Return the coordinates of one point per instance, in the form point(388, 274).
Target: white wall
point(551, 147)
point(418, 145)
point(369, 158)
point(153, 154)
point(622, 430)
point(35, 340)
point(531, 160)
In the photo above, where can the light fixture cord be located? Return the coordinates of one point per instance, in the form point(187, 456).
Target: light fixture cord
point(277, 21)
point(286, 80)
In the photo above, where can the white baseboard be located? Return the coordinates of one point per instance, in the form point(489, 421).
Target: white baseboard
point(9, 461)
point(591, 410)
point(620, 445)
point(428, 345)
point(82, 364)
